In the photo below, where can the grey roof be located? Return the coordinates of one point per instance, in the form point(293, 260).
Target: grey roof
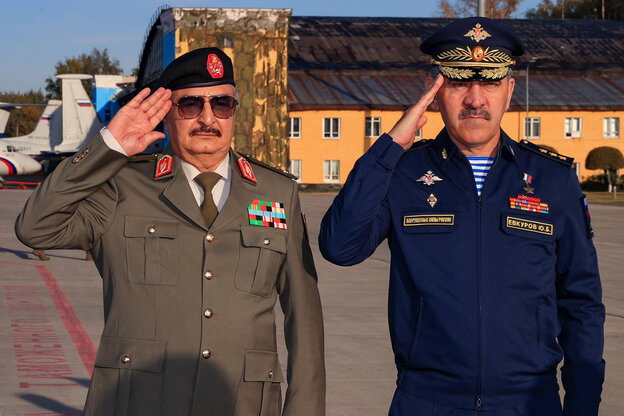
point(376, 63)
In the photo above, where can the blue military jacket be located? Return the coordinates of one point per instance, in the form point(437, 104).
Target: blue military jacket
point(487, 294)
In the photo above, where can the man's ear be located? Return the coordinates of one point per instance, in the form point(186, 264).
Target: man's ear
point(510, 88)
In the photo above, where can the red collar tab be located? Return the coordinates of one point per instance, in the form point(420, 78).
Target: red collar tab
point(164, 166)
point(246, 170)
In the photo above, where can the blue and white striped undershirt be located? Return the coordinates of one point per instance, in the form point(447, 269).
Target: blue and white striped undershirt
point(480, 167)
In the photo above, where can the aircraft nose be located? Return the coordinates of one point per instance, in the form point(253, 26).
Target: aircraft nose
point(30, 165)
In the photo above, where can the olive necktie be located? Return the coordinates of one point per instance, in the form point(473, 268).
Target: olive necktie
point(207, 180)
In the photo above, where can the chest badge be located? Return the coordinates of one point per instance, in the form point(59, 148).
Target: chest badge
point(432, 200)
point(528, 179)
point(267, 214)
point(528, 203)
point(429, 178)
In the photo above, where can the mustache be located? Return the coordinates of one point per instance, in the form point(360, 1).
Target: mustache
point(206, 130)
point(471, 112)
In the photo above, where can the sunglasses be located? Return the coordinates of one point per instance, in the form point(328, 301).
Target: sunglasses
point(191, 106)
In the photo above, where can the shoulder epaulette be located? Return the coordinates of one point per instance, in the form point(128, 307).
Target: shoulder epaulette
point(267, 166)
point(142, 158)
point(564, 160)
point(420, 144)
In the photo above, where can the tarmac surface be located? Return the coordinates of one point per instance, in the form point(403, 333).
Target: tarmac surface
point(51, 319)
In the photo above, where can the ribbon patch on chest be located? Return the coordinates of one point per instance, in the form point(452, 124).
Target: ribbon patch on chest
point(267, 214)
point(528, 203)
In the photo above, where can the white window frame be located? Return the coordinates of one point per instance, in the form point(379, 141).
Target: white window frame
point(611, 127)
point(294, 167)
point(577, 169)
point(568, 131)
point(331, 171)
point(533, 123)
point(418, 134)
point(334, 128)
point(294, 133)
point(372, 127)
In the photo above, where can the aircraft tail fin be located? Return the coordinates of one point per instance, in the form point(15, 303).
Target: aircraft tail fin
point(42, 129)
point(80, 121)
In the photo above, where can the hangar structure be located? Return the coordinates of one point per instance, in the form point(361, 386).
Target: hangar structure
point(315, 92)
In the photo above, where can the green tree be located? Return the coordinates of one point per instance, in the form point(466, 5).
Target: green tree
point(97, 62)
point(578, 9)
point(608, 159)
point(23, 120)
point(495, 9)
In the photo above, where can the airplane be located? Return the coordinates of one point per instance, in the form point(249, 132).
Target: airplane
point(13, 162)
point(5, 110)
point(64, 126)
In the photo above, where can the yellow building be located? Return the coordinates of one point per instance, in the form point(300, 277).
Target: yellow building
point(351, 78)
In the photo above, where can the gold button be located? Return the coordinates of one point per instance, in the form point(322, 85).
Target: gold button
point(208, 275)
point(266, 241)
point(125, 359)
point(208, 313)
point(210, 238)
point(151, 230)
point(206, 354)
point(271, 374)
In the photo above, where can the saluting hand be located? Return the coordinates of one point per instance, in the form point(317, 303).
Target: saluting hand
point(133, 125)
point(413, 118)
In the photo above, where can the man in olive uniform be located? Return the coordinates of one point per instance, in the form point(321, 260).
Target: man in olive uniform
point(194, 247)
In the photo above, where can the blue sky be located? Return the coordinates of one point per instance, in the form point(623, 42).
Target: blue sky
point(35, 34)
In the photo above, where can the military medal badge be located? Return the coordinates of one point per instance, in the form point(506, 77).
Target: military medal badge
point(432, 200)
point(527, 180)
point(267, 214)
point(528, 203)
point(429, 178)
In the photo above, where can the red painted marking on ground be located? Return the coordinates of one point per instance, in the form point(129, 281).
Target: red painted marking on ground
point(84, 345)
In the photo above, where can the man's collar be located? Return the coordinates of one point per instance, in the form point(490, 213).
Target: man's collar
point(446, 148)
point(223, 169)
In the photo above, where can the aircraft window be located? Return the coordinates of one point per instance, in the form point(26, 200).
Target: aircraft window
point(10, 149)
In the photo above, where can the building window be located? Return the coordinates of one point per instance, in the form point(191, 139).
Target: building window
point(227, 42)
point(418, 134)
point(532, 127)
point(331, 171)
point(294, 131)
point(331, 128)
point(373, 126)
point(294, 167)
point(611, 127)
point(573, 127)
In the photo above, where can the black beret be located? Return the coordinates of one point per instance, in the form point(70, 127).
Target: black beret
point(198, 68)
point(474, 48)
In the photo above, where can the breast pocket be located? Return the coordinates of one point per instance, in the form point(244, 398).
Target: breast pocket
point(262, 255)
point(152, 250)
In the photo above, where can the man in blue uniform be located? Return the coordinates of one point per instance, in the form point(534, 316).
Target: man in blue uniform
point(494, 277)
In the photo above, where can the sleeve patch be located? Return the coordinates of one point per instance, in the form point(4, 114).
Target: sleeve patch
point(585, 208)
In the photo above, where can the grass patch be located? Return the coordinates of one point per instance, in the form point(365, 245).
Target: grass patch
point(605, 198)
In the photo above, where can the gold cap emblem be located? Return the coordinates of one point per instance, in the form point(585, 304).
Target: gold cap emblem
point(477, 33)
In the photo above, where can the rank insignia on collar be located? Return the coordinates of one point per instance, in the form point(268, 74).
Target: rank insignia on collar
point(429, 178)
point(267, 214)
point(528, 203)
point(164, 166)
point(528, 179)
point(246, 170)
point(432, 200)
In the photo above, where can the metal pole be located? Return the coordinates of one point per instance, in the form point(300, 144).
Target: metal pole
point(527, 100)
point(481, 8)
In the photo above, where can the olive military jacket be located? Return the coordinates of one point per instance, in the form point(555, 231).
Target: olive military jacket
point(188, 310)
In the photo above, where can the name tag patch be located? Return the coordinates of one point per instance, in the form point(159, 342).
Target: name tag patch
point(529, 225)
point(417, 220)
